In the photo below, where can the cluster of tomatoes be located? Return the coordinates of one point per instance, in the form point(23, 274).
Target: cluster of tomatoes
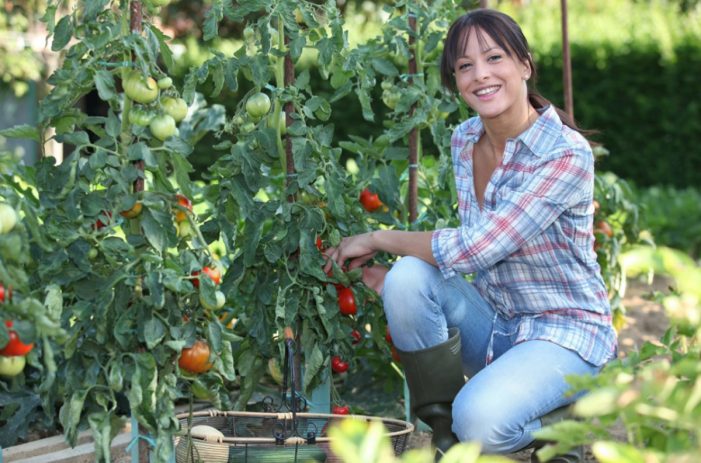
point(257, 107)
point(160, 113)
point(195, 359)
point(13, 355)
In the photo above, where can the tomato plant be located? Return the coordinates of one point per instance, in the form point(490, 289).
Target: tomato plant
point(338, 365)
point(184, 204)
point(212, 272)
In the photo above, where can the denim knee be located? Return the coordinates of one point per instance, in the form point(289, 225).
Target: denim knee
point(412, 312)
point(484, 422)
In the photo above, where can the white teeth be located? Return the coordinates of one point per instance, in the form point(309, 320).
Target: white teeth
point(487, 91)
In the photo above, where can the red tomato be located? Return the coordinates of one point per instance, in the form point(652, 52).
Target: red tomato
point(346, 301)
point(370, 200)
point(388, 336)
point(184, 202)
point(14, 345)
point(340, 410)
point(195, 359)
point(339, 365)
point(99, 223)
point(213, 273)
point(355, 334)
point(5, 294)
point(319, 244)
point(395, 354)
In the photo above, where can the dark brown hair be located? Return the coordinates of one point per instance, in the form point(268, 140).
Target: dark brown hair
point(508, 35)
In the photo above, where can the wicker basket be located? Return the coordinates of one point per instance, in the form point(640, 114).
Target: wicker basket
point(264, 437)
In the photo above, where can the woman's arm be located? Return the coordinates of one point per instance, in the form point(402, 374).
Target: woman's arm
point(361, 248)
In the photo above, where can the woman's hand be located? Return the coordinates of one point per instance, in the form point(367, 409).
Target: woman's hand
point(358, 248)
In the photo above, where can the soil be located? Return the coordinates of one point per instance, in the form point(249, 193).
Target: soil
point(645, 321)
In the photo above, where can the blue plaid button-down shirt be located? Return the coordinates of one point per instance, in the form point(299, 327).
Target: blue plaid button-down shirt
point(531, 245)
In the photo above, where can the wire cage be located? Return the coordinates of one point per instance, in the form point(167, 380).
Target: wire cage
point(275, 434)
point(217, 436)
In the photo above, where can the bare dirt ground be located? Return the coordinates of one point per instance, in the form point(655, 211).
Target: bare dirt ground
point(645, 321)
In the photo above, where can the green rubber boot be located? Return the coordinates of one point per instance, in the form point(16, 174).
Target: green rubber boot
point(574, 455)
point(434, 377)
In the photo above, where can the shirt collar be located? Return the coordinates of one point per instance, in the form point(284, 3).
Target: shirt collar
point(539, 137)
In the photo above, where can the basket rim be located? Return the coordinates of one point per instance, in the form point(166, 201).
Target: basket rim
point(408, 428)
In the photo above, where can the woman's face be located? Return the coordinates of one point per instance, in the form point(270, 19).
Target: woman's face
point(489, 80)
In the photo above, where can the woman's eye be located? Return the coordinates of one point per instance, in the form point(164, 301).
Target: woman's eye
point(464, 66)
point(494, 58)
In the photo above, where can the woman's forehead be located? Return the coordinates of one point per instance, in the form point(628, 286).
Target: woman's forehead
point(473, 33)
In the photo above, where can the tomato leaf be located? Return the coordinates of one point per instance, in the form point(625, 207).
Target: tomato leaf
point(104, 82)
point(313, 360)
point(154, 332)
point(384, 66)
point(22, 131)
point(162, 40)
point(62, 33)
point(211, 20)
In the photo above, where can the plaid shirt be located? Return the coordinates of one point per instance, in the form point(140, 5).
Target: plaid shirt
point(531, 246)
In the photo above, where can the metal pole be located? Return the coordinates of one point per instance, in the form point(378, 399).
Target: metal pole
point(567, 63)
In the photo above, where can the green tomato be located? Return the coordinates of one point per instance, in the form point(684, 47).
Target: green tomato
point(92, 253)
point(8, 218)
point(139, 88)
point(12, 366)
point(162, 126)
point(248, 127)
point(282, 122)
point(258, 105)
point(176, 107)
point(390, 98)
point(220, 301)
point(165, 83)
point(141, 117)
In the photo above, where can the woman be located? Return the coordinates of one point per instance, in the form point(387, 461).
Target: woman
point(537, 309)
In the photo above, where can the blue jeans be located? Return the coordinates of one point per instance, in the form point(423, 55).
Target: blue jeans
point(501, 404)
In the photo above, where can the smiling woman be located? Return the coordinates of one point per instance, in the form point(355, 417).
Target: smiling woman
point(537, 309)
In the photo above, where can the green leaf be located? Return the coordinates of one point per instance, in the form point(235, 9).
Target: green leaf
point(104, 82)
point(154, 332)
point(384, 66)
point(166, 54)
point(62, 33)
point(154, 231)
point(22, 131)
point(91, 8)
point(211, 20)
point(312, 364)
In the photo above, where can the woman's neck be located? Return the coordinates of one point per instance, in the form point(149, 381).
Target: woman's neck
point(505, 126)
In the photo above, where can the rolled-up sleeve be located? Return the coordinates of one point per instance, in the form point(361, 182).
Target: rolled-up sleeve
point(560, 182)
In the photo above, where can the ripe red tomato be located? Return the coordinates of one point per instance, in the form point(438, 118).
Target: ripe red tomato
point(14, 346)
point(99, 223)
point(340, 410)
point(346, 301)
point(195, 359)
point(339, 365)
point(370, 200)
point(5, 294)
point(388, 336)
point(213, 273)
point(184, 202)
point(319, 244)
point(355, 334)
